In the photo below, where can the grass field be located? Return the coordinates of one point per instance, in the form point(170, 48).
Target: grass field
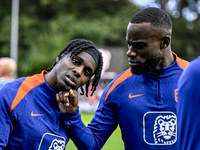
point(113, 143)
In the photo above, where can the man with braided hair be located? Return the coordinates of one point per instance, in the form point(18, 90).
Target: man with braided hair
point(30, 116)
point(142, 99)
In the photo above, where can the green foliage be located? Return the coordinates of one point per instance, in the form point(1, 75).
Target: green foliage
point(46, 26)
point(185, 41)
point(5, 35)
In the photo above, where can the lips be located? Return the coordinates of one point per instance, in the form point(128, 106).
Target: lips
point(133, 63)
point(71, 80)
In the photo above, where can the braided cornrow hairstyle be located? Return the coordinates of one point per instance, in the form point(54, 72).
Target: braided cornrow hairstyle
point(77, 46)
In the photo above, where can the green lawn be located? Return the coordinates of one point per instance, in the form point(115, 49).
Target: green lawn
point(113, 143)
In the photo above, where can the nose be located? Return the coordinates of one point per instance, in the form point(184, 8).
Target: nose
point(78, 71)
point(131, 52)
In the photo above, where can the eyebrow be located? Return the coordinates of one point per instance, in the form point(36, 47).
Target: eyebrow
point(134, 43)
point(146, 37)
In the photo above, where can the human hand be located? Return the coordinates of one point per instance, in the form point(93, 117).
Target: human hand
point(68, 101)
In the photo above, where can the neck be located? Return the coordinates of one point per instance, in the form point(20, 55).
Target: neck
point(167, 59)
point(50, 80)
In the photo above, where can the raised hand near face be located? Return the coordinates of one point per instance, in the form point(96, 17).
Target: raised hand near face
point(68, 101)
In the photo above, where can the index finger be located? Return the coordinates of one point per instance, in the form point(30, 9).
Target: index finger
point(73, 97)
point(72, 93)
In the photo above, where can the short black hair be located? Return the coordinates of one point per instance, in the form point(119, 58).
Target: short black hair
point(77, 46)
point(155, 16)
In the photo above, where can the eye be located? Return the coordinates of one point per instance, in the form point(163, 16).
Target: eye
point(87, 72)
point(137, 45)
point(140, 46)
point(129, 44)
point(75, 61)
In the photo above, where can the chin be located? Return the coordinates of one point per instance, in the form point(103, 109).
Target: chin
point(141, 70)
point(146, 67)
point(138, 70)
point(63, 87)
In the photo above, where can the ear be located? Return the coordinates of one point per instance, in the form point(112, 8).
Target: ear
point(59, 58)
point(165, 42)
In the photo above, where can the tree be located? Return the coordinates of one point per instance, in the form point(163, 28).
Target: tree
point(192, 5)
point(46, 26)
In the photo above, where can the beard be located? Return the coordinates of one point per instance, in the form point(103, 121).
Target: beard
point(150, 63)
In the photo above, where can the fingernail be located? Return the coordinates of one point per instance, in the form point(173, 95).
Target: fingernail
point(66, 94)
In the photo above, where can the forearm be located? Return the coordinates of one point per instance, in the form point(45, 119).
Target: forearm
point(83, 137)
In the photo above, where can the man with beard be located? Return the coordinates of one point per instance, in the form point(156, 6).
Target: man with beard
point(142, 99)
point(30, 116)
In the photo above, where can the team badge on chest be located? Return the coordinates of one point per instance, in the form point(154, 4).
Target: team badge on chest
point(160, 128)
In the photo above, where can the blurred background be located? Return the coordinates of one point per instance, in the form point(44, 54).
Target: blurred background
point(33, 32)
point(46, 26)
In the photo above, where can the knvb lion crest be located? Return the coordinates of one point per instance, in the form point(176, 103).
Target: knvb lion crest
point(57, 145)
point(160, 128)
point(51, 141)
point(165, 129)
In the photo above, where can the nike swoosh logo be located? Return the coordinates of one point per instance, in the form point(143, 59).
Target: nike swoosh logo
point(32, 114)
point(133, 96)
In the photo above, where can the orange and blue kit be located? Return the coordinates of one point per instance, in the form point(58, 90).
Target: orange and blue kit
point(188, 109)
point(30, 116)
point(144, 107)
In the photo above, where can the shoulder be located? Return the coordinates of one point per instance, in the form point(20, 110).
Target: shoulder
point(181, 62)
point(12, 86)
point(117, 83)
point(122, 77)
point(9, 91)
point(193, 68)
point(190, 77)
